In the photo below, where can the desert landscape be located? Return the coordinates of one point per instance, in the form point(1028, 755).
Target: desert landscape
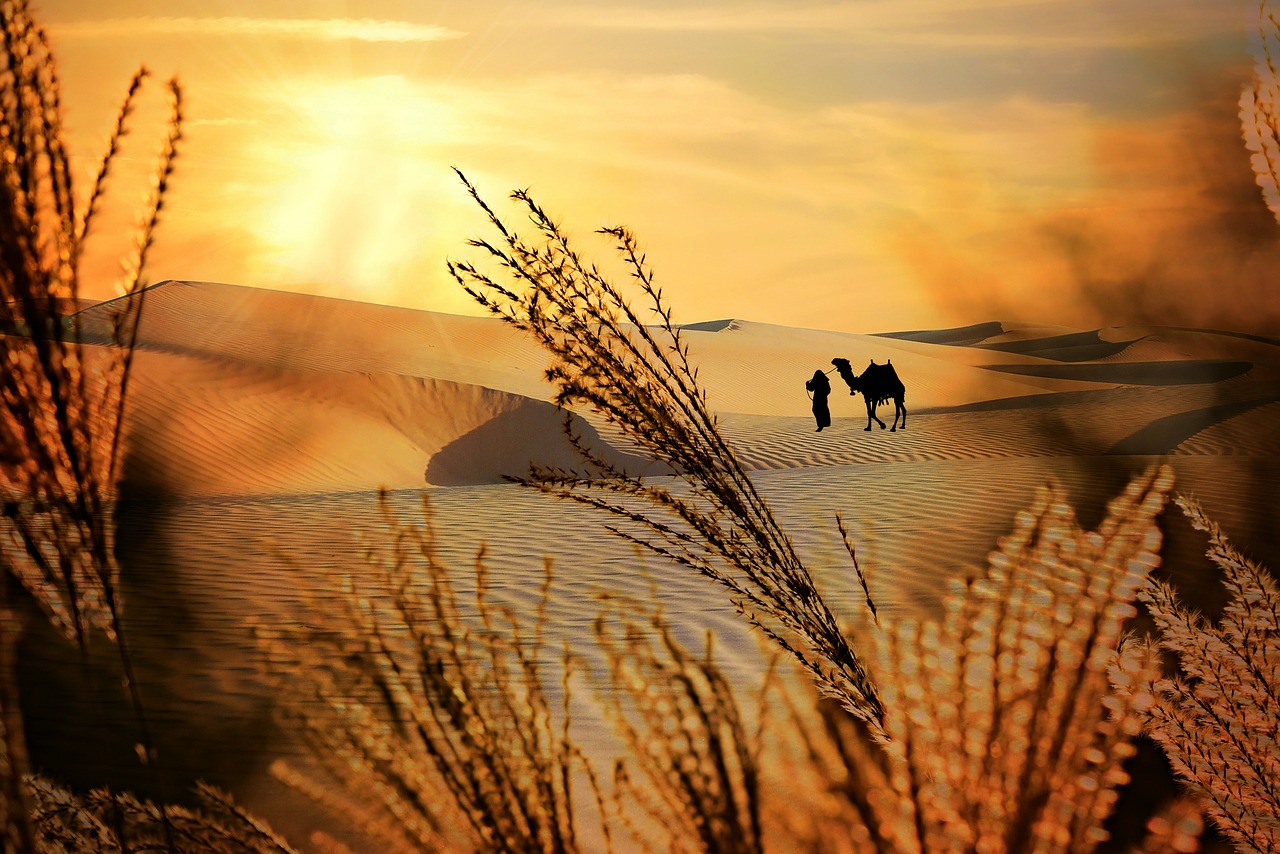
point(359, 510)
point(263, 424)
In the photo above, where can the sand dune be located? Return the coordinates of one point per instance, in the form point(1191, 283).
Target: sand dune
point(245, 391)
point(1183, 372)
point(261, 422)
point(201, 426)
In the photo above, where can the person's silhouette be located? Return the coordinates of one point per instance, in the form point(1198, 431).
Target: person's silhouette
point(820, 389)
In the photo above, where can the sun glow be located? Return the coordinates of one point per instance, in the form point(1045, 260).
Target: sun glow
point(759, 151)
point(357, 184)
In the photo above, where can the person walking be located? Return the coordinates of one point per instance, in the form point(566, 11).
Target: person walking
point(819, 389)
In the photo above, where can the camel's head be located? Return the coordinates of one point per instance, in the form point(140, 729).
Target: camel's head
point(846, 373)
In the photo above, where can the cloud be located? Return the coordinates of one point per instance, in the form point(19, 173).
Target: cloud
point(330, 29)
point(883, 214)
point(1013, 24)
point(345, 184)
point(1173, 231)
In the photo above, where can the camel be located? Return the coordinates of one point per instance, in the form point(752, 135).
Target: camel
point(878, 384)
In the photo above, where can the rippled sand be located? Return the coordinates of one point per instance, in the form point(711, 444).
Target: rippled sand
point(264, 423)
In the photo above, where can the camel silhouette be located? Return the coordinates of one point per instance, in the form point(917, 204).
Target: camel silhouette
point(878, 384)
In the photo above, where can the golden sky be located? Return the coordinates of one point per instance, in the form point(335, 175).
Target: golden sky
point(864, 166)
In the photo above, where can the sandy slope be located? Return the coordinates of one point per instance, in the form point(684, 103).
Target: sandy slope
point(266, 418)
point(244, 391)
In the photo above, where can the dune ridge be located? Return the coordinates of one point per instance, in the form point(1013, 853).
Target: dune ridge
point(249, 391)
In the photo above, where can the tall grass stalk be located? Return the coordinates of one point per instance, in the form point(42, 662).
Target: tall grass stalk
point(1260, 109)
point(1005, 733)
point(639, 378)
point(1001, 731)
point(433, 725)
point(1218, 719)
point(691, 772)
point(61, 420)
point(61, 404)
point(108, 822)
point(436, 722)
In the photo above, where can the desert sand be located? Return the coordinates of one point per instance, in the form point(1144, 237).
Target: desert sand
point(253, 392)
point(261, 424)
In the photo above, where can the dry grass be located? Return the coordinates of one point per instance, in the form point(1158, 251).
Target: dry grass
point(60, 407)
point(431, 717)
point(60, 423)
point(104, 821)
point(1004, 733)
point(1260, 110)
point(1218, 721)
point(639, 378)
point(1001, 729)
point(435, 721)
point(691, 771)
point(433, 726)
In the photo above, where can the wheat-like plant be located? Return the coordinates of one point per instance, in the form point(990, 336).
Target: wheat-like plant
point(1004, 732)
point(60, 406)
point(1260, 110)
point(430, 723)
point(639, 378)
point(1008, 721)
point(1218, 720)
point(690, 779)
point(435, 720)
point(108, 822)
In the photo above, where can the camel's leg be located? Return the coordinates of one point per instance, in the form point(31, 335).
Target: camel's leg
point(870, 415)
point(899, 411)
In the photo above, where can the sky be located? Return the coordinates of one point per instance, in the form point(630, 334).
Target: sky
point(861, 166)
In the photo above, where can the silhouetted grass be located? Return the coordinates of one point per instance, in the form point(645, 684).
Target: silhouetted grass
point(436, 724)
point(108, 822)
point(1001, 731)
point(432, 718)
point(692, 764)
point(1008, 723)
point(433, 727)
point(1218, 720)
point(61, 406)
point(60, 423)
point(1004, 732)
point(639, 379)
point(1260, 110)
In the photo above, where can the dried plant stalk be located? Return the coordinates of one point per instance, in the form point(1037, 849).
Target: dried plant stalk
point(107, 822)
point(1260, 110)
point(1005, 732)
point(1219, 720)
point(435, 723)
point(61, 412)
point(1005, 735)
point(61, 405)
point(639, 378)
point(691, 773)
